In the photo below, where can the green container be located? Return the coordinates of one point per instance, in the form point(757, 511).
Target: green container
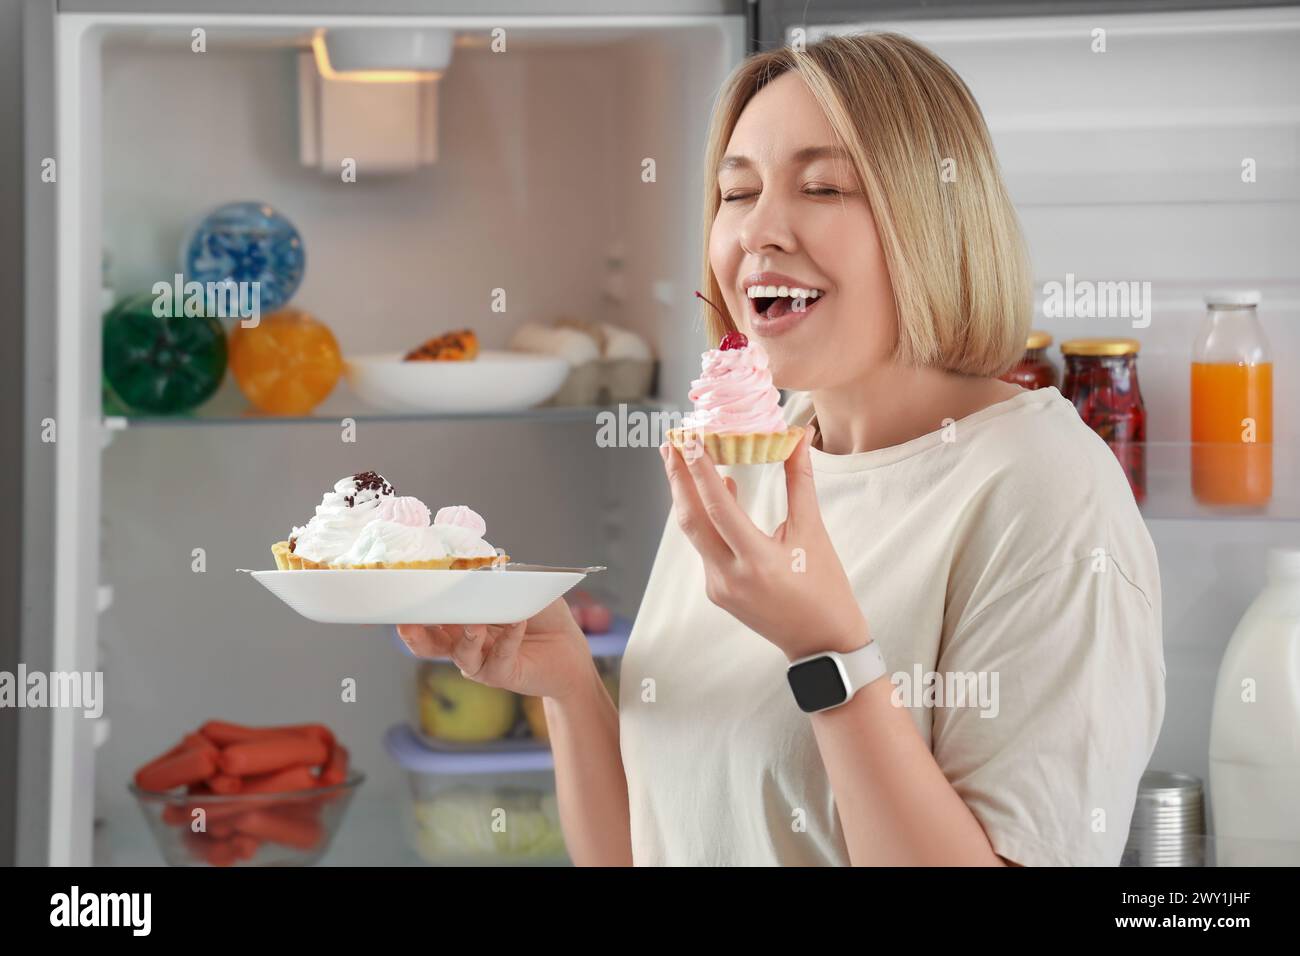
point(160, 365)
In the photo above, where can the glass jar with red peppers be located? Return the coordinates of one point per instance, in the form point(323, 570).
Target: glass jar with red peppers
point(1101, 380)
point(1033, 370)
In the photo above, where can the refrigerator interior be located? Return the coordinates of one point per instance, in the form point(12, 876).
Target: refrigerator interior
point(537, 190)
point(1124, 165)
point(1127, 165)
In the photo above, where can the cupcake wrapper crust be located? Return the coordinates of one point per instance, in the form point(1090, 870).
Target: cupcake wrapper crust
point(286, 560)
point(739, 448)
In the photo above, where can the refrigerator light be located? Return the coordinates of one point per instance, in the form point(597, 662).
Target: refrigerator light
point(378, 55)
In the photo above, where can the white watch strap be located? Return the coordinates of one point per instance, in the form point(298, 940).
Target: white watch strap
point(863, 666)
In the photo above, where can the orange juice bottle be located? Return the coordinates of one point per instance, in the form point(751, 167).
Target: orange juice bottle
point(1232, 405)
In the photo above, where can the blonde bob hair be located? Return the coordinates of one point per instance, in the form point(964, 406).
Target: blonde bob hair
point(923, 156)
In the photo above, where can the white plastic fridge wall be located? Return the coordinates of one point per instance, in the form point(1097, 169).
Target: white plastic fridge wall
point(1126, 165)
point(539, 178)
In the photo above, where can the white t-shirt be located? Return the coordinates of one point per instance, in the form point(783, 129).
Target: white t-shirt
point(1006, 546)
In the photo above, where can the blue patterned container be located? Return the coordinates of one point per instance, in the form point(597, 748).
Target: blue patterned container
point(247, 242)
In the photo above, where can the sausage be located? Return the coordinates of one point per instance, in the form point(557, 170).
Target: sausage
point(336, 769)
point(223, 733)
point(223, 783)
point(281, 781)
point(272, 753)
point(188, 766)
point(281, 828)
point(245, 846)
point(197, 742)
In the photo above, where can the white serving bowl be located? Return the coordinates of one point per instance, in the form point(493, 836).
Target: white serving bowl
point(400, 596)
point(493, 381)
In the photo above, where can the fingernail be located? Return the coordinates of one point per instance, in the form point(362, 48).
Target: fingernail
point(663, 451)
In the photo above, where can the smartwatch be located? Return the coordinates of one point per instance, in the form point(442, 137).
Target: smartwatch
point(823, 681)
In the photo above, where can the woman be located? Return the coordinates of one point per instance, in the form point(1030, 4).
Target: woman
point(959, 525)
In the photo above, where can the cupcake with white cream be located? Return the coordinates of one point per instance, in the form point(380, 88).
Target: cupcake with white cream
point(363, 524)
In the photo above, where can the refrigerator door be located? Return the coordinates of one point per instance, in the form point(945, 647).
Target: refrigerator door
point(61, 465)
point(29, 790)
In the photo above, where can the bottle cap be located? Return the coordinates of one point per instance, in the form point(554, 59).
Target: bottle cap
point(1232, 297)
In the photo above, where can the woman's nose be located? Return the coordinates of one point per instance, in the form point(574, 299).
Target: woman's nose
point(767, 226)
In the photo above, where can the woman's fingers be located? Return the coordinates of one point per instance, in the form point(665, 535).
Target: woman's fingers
point(721, 507)
point(502, 662)
point(468, 651)
point(800, 489)
point(426, 640)
point(695, 523)
point(483, 652)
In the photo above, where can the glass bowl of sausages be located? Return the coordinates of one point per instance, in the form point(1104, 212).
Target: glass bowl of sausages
point(232, 795)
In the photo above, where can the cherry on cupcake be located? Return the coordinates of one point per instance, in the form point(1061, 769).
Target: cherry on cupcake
point(733, 340)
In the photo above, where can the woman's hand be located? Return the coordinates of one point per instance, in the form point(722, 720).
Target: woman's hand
point(789, 586)
point(544, 656)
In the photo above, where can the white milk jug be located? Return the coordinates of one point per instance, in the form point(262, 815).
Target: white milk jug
point(1255, 730)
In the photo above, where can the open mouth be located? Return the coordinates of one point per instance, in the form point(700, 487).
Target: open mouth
point(774, 301)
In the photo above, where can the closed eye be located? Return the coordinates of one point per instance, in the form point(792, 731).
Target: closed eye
point(811, 191)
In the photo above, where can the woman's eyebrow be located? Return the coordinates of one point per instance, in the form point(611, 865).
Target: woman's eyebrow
point(800, 157)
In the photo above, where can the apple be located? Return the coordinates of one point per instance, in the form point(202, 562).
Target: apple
point(535, 713)
point(536, 717)
point(456, 708)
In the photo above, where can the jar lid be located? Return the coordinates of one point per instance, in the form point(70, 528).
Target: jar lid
point(1038, 340)
point(1232, 297)
point(1100, 347)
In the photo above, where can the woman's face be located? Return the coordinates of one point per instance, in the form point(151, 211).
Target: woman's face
point(792, 207)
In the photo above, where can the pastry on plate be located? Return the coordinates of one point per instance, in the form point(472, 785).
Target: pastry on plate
point(737, 410)
point(363, 524)
point(458, 346)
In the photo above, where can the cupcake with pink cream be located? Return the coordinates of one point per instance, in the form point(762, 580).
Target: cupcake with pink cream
point(737, 410)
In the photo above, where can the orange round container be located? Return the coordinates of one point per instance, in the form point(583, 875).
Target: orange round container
point(287, 364)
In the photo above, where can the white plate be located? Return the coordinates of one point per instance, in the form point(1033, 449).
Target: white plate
point(494, 381)
point(485, 596)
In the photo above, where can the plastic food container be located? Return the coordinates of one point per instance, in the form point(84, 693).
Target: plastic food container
point(479, 809)
point(580, 387)
point(626, 380)
point(454, 714)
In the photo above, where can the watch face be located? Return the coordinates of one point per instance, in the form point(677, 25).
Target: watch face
point(817, 684)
